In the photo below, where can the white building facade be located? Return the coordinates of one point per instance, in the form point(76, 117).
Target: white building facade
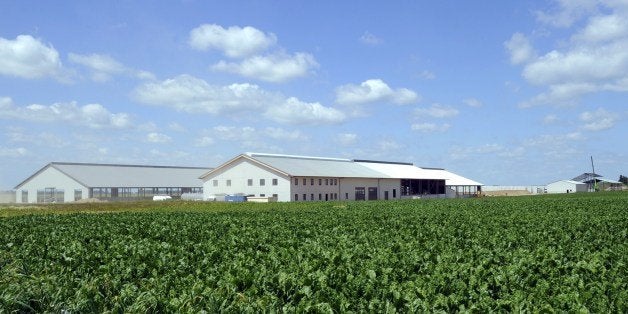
point(566, 186)
point(302, 178)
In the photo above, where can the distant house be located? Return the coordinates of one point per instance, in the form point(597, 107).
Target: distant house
point(288, 178)
point(566, 186)
point(59, 182)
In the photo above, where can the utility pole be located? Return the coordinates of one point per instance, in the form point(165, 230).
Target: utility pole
point(593, 174)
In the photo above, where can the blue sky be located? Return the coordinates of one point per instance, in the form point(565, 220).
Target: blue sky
point(503, 92)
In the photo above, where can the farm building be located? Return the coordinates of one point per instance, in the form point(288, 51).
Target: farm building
point(68, 182)
point(595, 181)
point(566, 186)
point(302, 178)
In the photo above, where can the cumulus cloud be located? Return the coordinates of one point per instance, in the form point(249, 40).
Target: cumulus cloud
point(271, 68)
point(598, 120)
point(234, 41)
point(294, 111)
point(436, 111)
point(567, 12)
point(374, 90)
point(104, 67)
point(593, 59)
point(473, 102)
point(370, 39)
point(428, 127)
point(29, 58)
point(519, 48)
point(94, 116)
point(189, 94)
point(154, 137)
point(204, 141)
point(282, 134)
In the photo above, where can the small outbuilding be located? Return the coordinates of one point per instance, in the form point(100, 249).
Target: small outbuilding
point(566, 186)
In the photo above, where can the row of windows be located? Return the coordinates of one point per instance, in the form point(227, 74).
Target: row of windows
point(328, 197)
point(312, 181)
point(249, 182)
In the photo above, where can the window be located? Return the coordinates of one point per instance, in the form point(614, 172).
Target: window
point(312, 196)
point(320, 196)
point(305, 197)
point(249, 182)
point(262, 195)
point(296, 197)
point(228, 182)
point(215, 182)
point(394, 193)
point(262, 182)
point(304, 181)
point(312, 181)
point(296, 181)
point(320, 181)
point(335, 181)
point(24, 196)
point(275, 181)
point(326, 181)
point(78, 194)
point(346, 196)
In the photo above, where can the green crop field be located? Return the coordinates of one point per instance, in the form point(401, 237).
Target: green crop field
point(531, 254)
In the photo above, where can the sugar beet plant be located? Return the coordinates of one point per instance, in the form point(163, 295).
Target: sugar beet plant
point(556, 253)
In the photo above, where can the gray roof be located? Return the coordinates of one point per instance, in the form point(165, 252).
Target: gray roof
point(305, 166)
point(301, 166)
point(113, 175)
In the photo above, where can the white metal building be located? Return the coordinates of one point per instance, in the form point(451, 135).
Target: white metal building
point(566, 186)
point(67, 182)
point(303, 178)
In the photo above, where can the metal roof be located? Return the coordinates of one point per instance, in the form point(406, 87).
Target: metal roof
point(305, 166)
point(115, 175)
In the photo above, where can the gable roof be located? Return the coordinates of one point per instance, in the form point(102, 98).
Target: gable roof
point(568, 181)
point(586, 176)
point(307, 166)
point(116, 175)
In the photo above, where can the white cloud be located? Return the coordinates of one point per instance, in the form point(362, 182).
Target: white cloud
point(29, 58)
point(234, 42)
point(231, 133)
point(176, 127)
point(281, 134)
point(104, 67)
point(593, 59)
point(550, 119)
point(189, 94)
point(91, 115)
point(294, 111)
point(473, 102)
point(519, 48)
point(598, 120)
point(275, 68)
point(430, 127)
point(568, 12)
point(204, 141)
point(154, 137)
point(437, 111)
point(427, 75)
point(346, 139)
point(387, 145)
point(370, 39)
point(374, 90)
point(13, 152)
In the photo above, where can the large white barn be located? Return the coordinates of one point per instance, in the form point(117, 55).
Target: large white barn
point(66, 182)
point(301, 178)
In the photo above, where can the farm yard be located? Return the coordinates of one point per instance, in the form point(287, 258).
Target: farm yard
point(529, 253)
